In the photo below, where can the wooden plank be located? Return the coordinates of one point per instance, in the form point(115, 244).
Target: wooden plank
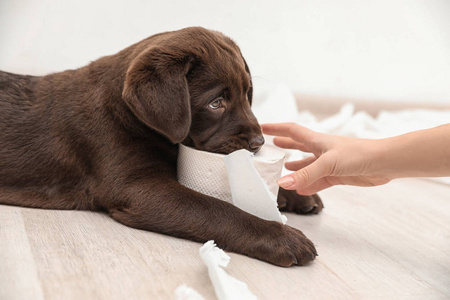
point(84, 255)
point(398, 236)
point(18, 274)
point(385, 242)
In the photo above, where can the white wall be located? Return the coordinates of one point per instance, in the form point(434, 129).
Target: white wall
point(386, 49)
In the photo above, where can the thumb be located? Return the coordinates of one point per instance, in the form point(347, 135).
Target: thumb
point(304, 176)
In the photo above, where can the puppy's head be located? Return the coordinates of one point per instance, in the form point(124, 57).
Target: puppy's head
point(194, 86)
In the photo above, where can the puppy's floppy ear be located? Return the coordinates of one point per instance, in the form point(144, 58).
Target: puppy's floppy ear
point(156, 90)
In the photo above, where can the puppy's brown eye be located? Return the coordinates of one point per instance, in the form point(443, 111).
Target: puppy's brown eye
point(216, 104)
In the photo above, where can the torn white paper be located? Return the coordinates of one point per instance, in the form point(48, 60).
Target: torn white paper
point(183, 292)
point(249, 191)
point(246, 181)
point(226, 287)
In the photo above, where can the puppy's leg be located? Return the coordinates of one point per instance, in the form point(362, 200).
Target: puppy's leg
point(293, 202)
point(35, 199)
point(170, 208)
point(48, 198)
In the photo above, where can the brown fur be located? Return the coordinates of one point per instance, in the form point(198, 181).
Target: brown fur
point(104, 137)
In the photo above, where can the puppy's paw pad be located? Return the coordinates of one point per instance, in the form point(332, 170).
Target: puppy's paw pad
point(292, 202)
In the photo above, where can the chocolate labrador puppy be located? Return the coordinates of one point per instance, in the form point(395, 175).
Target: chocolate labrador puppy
point(104, 137)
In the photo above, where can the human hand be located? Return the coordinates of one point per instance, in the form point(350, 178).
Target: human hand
point(336, 160)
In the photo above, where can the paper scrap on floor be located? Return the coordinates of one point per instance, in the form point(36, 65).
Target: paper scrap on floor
point(225, 286)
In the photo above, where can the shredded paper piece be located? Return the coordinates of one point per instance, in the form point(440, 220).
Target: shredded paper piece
point(225, 286)
point(249, 191)
point(183, 292)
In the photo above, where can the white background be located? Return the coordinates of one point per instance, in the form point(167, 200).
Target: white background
point(381, 50)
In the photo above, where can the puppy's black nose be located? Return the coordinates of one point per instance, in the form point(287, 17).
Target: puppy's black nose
point(256, 143)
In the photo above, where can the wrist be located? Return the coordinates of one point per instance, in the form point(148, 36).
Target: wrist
point(423, 153)
point(385, 157)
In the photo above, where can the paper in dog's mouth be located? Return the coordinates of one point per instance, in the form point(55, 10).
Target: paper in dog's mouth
point(242, 178)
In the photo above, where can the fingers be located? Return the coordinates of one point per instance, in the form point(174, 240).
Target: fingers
point(315, 187)
point(312, 172)
point(292, 130)
point(288, 143)
point(299, 164)
point(306, 176)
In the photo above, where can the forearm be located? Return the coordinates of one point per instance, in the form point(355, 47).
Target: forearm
point(424, 153)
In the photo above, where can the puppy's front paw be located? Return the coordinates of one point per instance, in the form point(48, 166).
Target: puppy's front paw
point(293, 202)
point(284, 246)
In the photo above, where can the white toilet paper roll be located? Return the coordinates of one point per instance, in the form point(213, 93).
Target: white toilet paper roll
point(245, 180)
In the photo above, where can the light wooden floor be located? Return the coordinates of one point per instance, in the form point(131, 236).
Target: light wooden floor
point(388, 242)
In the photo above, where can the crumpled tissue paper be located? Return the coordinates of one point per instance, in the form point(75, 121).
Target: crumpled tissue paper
point(225, 286)
point(183, 292)
point(245, 180)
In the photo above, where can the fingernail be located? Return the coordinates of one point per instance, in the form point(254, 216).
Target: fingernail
point(285, 182)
